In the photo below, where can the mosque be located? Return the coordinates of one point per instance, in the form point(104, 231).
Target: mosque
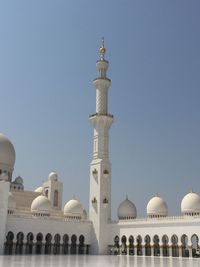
point(35, 222)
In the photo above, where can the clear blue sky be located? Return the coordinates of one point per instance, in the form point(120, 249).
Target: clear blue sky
point(48, 51)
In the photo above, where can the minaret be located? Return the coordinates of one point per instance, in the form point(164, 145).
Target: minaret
point(100, 167)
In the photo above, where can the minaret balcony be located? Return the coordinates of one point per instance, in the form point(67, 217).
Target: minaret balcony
point(97, 114)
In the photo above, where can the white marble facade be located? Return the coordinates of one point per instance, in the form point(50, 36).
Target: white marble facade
point(36, 222)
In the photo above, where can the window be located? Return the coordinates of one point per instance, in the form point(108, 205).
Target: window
point(55, 200)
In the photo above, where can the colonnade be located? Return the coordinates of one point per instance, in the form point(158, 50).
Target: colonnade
point(21, 244)
point(156, 246)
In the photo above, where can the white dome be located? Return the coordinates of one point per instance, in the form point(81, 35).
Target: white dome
point(11, 201)
point(39, 190)
point(53, 176)
point(157, 207)
point(73, 208)
point(7, 151)
point(190, 203)
point(41, 204)
point(127, 210)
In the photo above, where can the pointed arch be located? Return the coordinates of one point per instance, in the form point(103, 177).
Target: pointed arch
point(156, 241)
point(65, 244)
point(29, 243)
point(123, 246)
point(175, 250)
point(147, 241)
point(184, 246)
point(165, 245)
point(139, 245)
point(131, 245)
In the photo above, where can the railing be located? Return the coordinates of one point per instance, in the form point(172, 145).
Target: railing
point(168, 218)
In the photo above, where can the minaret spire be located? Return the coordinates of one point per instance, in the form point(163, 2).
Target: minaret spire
point(102, 49)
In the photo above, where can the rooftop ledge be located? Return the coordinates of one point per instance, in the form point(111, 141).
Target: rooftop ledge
point(98, 115)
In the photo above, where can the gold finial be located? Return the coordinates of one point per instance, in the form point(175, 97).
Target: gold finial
point(102, 49)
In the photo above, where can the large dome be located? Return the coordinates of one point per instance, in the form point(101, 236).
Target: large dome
point(7, 152)
point(190, 204)
point(157, 207)
point(127, 210)
point(41, 204)
point(73, 208)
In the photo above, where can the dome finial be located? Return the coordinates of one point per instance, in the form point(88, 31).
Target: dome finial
point(102, 49)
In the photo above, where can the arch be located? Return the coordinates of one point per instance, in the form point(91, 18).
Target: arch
point(65, 244)
point(131, 245)
point(139, 245)
point(174, 240)
point(147, 241)
point(19, 243)
point(116, 245)
point(29, 243)
point(55, 198)
point(73, 244)
point(8, 246)
point(184, 246)
point(156, 245)
point(56, 245)
point(165, 245)
point(195, 246)
point(81, 244)
point(38, 244)
point(123, 246)
point(46, 192)
point(48, 244)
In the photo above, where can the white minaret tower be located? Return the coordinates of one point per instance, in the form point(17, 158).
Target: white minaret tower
point(100, 167)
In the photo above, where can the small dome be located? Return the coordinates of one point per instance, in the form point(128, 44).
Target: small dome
point(127, 210)
point(190, 204)
point(39, 190)
point(157, 207)
point(18, 180)
point(7, 151)
point(11, 201)
point(53, 176)
point(41, 204)
point(4, 177)
point(73, 208)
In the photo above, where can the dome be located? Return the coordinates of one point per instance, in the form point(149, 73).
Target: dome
point(127, 210)
point(39, 190)
point(53, 176)
point(7, 151)
point(73, 208)
point(41, 204)
point(18, 180)
point(190, 203)
point(157, 207)
point(11, 201)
